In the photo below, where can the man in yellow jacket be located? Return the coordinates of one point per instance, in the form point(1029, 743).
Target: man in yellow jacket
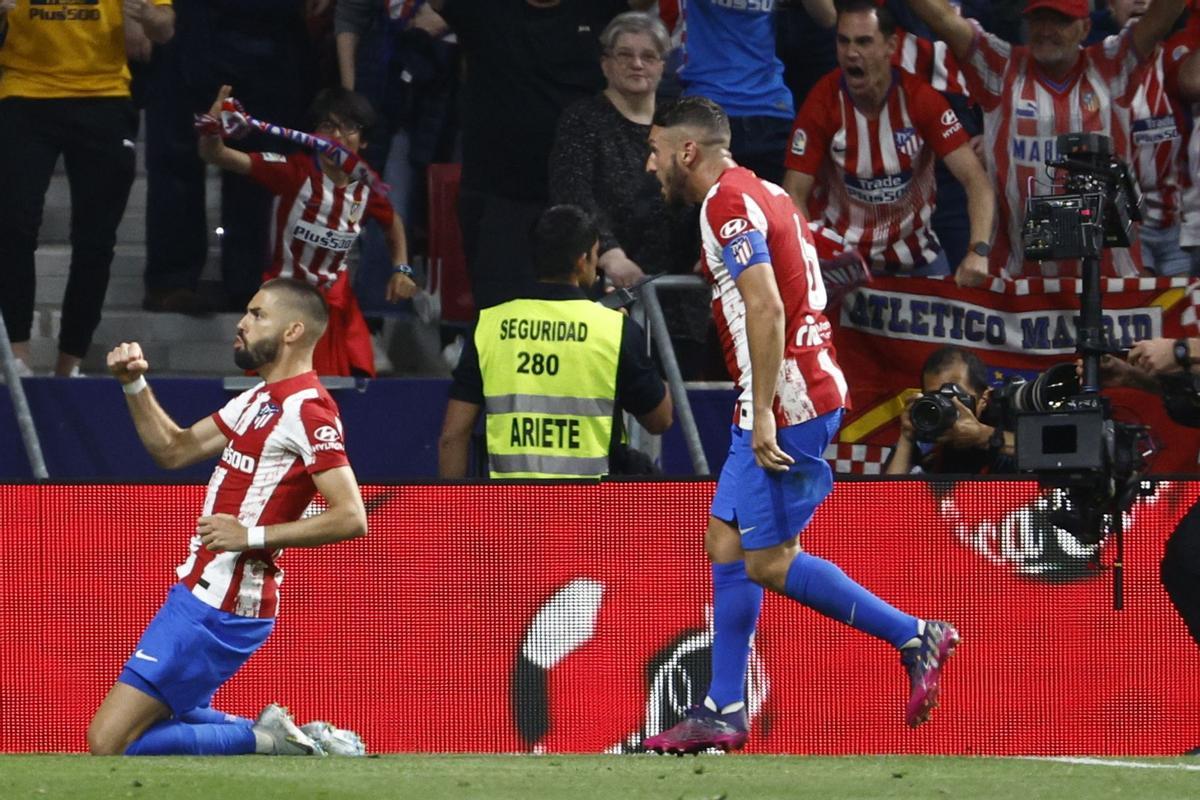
point(552, 369)
point(64, 91)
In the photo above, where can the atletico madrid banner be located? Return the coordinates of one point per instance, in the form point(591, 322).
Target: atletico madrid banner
point(885, 331)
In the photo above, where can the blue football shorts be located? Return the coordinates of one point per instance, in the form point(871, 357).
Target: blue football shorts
point(190, 649)
point(771, 508)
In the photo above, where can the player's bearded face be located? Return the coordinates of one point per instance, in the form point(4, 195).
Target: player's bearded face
point(674, 182)
point(252, 355)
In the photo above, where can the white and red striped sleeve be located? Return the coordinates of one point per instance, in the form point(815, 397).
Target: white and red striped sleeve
point(985, 67)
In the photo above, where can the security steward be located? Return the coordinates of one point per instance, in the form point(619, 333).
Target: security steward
point(552, 370)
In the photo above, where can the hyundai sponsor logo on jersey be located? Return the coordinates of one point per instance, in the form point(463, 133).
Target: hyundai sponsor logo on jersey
point(1154, 130)
point(733, 227)
point(877, 191)
point(328, 438)
point(1026, 109)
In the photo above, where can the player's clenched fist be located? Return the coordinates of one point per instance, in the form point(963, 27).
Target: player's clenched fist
point(222, 532)
point(127, 363)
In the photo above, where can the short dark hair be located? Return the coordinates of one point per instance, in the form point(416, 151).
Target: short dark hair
point(696, 112)
point(346, 105)
point(561, 235)
point(887, 21)
point(945, 357)
point(304, 298)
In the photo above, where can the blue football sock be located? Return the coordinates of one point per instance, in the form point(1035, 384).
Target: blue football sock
point(737, 601)
point(207, 715)
point(821, 585)
point(174, 738)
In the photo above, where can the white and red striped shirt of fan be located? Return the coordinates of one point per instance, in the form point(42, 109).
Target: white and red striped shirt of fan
point(314, 222)
point(1023, 115)
point(874, 174)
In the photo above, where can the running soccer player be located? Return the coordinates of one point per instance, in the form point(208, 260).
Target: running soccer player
point(872, 159)
point(768, 297)
point(319, 211)
point(279, 444)
point(1031, 94)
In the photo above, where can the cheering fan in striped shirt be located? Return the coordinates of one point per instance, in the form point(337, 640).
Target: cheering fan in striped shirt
point(862, 154)
point(322, 200)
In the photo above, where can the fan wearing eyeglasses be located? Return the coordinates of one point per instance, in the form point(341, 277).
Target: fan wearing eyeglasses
point(598, 163)
point(319, 212)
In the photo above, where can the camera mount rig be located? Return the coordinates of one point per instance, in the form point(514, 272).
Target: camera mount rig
point(1078, 447)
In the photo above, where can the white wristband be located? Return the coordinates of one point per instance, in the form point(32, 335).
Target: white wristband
point(256, 537)
point(134, 387)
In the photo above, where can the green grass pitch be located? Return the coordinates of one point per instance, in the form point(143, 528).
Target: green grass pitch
point(434, 777)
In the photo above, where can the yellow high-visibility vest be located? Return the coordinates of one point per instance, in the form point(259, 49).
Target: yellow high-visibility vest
point(549, 371)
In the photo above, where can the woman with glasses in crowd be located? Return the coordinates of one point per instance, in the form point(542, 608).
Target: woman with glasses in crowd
point(599, 163)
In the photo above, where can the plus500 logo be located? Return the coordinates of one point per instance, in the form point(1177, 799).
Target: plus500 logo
point(746, 5)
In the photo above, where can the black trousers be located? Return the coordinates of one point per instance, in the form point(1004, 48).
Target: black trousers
point(1181, 569)
point(264, 68)
point(496, 235)
point(95, 137)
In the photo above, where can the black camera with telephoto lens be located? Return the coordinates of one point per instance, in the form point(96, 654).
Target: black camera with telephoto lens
point(934, 413)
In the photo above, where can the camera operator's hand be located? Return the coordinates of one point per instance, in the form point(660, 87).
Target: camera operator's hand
point(1155, 356)
point(906, 425)
point(967, 432)
point(904, 454)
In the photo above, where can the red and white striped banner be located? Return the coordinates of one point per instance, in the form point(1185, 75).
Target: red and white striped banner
point(885, 331)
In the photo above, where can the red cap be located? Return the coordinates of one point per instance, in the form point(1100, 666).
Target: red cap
point(1076, 9)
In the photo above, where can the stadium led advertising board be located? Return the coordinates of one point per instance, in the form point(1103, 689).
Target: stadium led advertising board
point(574, 618)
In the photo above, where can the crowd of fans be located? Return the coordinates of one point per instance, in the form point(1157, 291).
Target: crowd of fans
point(909, 132)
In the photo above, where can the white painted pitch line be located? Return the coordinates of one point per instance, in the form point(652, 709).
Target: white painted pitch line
point(1103, 762)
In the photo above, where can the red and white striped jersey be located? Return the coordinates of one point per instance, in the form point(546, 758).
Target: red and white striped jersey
point(315, 222)
point(874, 175)
point(1023, 114)
point(1156, 136)
point(746, 221)
point(280, 434)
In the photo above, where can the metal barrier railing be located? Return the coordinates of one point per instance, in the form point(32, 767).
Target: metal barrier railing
point(650, 311)
point(16, 391)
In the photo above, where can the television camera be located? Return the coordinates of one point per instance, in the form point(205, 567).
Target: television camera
point(1077, 446)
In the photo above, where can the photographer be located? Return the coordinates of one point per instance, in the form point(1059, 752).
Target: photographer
point(955, 390)
point(1168, 367)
